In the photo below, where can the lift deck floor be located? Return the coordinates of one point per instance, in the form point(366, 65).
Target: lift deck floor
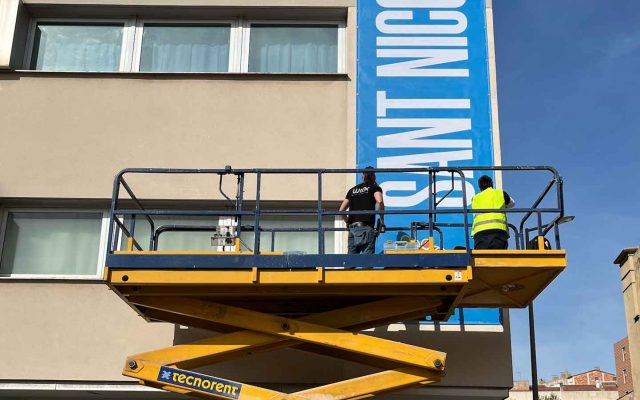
point(486, 278)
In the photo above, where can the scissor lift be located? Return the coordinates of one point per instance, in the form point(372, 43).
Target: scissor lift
point(265, 300)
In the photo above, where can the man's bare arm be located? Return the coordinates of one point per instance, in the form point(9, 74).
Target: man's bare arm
point(343, 207)
point(509, 202)
point(380, 204)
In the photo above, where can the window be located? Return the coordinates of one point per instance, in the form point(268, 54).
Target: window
point(305, 242)
point(293, 48)
point(186, 46)
point(624, 353)
point(172, 239)
point(70, 46)
point(624, 376)
point(46, 244)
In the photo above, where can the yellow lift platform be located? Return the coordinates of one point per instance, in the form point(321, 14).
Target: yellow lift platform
point(262, 301)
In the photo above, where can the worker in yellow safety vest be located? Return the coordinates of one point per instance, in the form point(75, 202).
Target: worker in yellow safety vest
point(490, 229)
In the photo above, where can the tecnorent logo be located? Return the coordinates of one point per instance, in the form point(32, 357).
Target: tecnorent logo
point(203, 383)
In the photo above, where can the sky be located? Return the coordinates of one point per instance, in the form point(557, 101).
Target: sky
point(568, 85)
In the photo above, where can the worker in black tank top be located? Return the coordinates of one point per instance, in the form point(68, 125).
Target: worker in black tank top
point(363, 197)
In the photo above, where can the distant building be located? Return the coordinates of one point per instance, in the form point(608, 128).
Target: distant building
point(594, 377)
point(567, 392)
point(557, 380)
point(593, 385)
point(629, 262)
point(521, 385)
point(623, 369)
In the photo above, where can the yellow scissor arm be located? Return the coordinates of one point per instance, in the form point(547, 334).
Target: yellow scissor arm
point(407, 365)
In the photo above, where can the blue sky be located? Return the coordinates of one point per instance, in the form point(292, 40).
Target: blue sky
point(568, 85)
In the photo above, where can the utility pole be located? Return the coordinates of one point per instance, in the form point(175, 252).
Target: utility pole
point(532, 345)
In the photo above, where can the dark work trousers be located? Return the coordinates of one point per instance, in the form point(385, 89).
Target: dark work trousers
point(491, 239)
point(362, 240)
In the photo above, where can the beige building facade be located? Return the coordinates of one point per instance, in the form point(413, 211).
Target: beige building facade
point(65, 133)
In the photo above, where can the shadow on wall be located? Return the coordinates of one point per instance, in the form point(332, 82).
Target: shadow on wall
point(474, 359)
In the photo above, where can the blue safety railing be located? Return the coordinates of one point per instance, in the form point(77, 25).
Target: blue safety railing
point(123, 219)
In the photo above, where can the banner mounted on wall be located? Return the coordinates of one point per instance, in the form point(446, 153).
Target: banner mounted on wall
point(424, 99)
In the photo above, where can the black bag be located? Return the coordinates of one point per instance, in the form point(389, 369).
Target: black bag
point(533, 244)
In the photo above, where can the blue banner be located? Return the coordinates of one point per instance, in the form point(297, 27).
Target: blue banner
point(424, 100)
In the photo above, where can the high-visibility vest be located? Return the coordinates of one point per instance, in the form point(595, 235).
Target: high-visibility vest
point(488, 199)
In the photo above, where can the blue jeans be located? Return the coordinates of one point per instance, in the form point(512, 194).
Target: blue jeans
point(362, 240)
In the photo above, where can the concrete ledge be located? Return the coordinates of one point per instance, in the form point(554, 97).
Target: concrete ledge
point(231, 76)
point(622, 257)
point(201, 3)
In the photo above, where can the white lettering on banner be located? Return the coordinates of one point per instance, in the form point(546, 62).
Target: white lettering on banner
point(413, 139)
point(429, 57)
point(440, 158)
point(385, 103)
point(383, 25)
point(421, 3)
point(423, 58)
point(419, 196)
point(426, 41)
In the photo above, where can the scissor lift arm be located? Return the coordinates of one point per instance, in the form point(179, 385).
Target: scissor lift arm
point(406, 365)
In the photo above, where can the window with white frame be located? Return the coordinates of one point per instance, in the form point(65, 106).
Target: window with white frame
point(78, 46)
point(292, 48)
point(52, 243)
point(180, 47)
point(144, 45)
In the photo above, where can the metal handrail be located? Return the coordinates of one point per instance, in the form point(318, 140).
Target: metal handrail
point(431, 211)
point(250, 228)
